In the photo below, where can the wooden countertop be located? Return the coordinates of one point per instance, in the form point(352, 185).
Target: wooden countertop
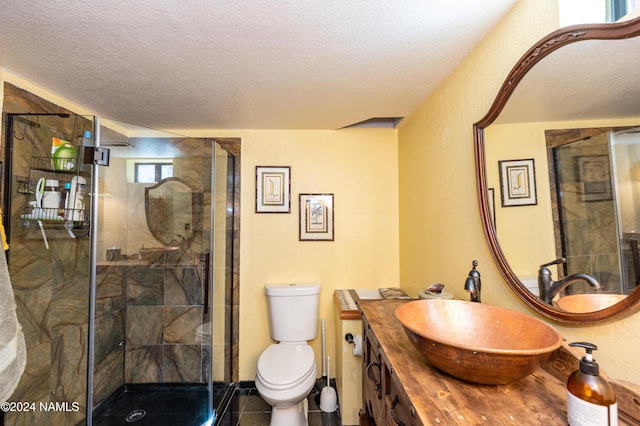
point(440, 399)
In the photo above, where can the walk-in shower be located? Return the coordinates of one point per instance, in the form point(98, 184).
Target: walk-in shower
point(127, 307)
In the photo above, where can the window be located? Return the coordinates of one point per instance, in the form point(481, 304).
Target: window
point(153, 172)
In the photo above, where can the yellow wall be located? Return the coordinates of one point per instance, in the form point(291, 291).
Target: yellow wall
point(360, 167)
point(440, 230)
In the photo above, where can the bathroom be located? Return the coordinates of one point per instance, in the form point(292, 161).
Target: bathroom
point(424, 169)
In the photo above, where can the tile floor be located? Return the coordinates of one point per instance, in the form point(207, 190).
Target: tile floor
point(247, 408)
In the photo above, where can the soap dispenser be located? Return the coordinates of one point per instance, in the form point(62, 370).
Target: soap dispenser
point(590, 398)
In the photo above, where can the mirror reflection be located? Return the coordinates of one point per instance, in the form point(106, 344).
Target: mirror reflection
point(574, 115)
point(171, 208)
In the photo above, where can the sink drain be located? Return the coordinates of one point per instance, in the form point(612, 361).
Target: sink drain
point(135, 415)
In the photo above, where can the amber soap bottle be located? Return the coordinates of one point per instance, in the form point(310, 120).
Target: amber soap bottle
point(590, 398)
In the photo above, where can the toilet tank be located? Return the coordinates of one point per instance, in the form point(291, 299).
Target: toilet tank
point(293, 311)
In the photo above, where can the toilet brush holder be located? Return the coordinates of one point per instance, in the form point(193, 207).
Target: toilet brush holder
point(328, 397)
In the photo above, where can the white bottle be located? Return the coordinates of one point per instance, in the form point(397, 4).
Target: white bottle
point(74, 203)
point(51, 199)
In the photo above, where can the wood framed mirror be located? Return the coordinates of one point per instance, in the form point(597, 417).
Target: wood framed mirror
point(579, 76)
point(172, 209)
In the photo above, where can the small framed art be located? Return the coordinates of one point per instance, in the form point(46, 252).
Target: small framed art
point(518, 183)
point(595, 177)
point(316, 217)
point(273, 189)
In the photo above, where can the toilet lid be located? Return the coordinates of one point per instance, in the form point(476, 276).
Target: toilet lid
point(286, 365)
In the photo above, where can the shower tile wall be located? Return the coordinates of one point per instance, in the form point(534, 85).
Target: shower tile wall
point(51, 292)
point(109, 330)
point(164, 314)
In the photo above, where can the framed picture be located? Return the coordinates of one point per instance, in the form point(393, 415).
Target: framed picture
point(594, 176)
point(518, 182)
point(316, 217)
point(273, 189)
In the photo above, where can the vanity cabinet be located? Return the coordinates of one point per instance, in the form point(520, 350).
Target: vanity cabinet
point(384, 399)
point(399, 387)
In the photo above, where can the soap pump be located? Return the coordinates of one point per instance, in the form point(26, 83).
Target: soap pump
point(590, 398)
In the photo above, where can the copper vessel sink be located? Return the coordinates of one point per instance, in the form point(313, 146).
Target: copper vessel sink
point(588, 302)
point(476, 342)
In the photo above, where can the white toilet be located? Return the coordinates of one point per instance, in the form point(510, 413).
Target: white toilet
point(287, 371)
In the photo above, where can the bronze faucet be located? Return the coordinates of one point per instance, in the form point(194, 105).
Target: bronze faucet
point(549, 288)
point(473, 283)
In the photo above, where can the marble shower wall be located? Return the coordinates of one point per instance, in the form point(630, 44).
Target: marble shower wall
point(164, 317)
point(50, 286)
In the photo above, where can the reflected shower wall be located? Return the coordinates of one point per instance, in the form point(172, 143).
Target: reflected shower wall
point(587, 233)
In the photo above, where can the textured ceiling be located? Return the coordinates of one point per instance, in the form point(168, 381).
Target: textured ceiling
point(231, 64)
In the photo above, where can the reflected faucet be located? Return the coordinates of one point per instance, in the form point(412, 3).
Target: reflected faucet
point(549, 288)
point(473, 283)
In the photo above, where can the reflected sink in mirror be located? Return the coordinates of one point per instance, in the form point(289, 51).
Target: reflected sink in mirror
point(580, 303)
point(476, 342)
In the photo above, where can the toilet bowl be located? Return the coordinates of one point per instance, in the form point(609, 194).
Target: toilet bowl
point(285, 375)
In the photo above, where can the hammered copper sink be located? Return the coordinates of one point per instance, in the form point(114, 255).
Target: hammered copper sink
point(588, 302)
point(476, 342)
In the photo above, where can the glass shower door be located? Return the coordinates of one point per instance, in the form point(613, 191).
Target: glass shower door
point(625, 161)
point(153, 334)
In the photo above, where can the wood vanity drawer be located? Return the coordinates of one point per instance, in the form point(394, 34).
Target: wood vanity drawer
point(400, 411)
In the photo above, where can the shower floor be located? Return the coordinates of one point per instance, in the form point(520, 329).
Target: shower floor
point(159, 404)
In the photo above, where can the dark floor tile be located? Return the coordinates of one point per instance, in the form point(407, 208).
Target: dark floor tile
point(174, 405)
point(255, 404)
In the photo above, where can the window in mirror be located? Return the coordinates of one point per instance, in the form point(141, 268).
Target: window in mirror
point(619, 8)
point(153, 172)
point(572, 12)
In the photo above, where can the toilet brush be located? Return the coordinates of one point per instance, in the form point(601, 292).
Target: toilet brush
point(324, 348)
point(328, 397)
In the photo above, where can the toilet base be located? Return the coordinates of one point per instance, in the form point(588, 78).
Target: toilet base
point(294, 415)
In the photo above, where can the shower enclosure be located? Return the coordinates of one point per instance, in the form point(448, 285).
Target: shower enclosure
point(125, 297)
point(597, 181)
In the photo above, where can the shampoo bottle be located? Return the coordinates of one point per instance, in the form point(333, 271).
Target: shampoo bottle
point(84, 145)
point(590, 398)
